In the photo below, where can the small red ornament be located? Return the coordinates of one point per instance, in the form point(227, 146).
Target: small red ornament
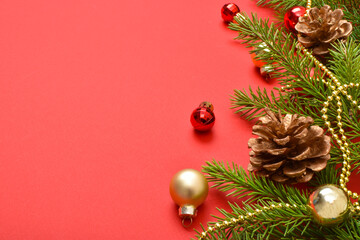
point(291, 17)
point(203, 118)
point(229, 11)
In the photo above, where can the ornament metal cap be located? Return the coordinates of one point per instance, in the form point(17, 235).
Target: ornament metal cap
point(207, 105)
point(187, 212)
point(266, 71)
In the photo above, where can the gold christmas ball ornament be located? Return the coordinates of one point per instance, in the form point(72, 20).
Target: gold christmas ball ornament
point(189, 189)
point(329, 204)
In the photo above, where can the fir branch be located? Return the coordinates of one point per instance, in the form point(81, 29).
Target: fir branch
point(329, 175)
point(294, 70)
point(345, 61)
point(306, 93)
point(250, 105)
point(281, 6)
point(351, 13)
point(350, 9)
point(276, 223)
point(299, 74)
point(336, 154)
point(271, 222)
point(290, 64)
point(238, 183)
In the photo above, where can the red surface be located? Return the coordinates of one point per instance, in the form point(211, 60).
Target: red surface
point(95, 99)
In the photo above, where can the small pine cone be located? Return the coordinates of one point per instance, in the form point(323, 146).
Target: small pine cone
point(288, 149)
point(321, 27)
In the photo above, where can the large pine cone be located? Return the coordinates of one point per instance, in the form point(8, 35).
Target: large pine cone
point(321, 27)
point(289, 149)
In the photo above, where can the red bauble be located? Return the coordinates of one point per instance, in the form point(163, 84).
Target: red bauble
point(203, 118)
point(229, 11)
point(292, 17)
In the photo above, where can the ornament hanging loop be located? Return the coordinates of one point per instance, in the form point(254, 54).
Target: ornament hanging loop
point(187, 219)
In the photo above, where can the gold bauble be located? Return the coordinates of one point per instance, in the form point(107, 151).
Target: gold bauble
point(330, 205)
point(189, 189)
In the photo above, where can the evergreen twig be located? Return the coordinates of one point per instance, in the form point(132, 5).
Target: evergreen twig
point(238, 183)
point(305, 93)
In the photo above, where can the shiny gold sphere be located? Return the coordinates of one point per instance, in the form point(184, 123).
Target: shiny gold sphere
point(330, 205)
point(189, 187)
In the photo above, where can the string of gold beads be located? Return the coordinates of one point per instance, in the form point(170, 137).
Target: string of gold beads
point(242, 219)
point(341, 141)
point(250, 217)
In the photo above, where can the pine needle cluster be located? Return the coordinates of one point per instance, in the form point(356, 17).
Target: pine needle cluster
point(303, 93)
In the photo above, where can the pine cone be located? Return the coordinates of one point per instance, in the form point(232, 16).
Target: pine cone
point(321, 27)
point(289, 149)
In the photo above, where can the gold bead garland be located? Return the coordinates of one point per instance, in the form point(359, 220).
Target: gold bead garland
point(241, 219)
point(308, 5)
point(341, 140)
point(336, 91)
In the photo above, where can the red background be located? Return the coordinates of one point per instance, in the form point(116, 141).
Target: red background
point(95, 99)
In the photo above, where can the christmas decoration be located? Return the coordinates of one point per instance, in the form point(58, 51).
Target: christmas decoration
point(203, 117)
point(291, 17)
point(260, 48)
point(289, 149)
point(328, 93)
point(229, 11)
point(322, 27)
point(267, 71)
point(329, 204)
point(188, 189)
